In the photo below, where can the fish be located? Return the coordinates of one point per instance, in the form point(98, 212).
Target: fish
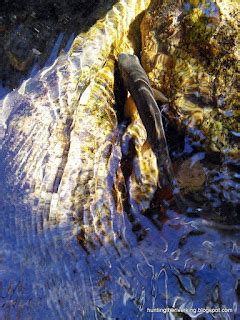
point(136, 81)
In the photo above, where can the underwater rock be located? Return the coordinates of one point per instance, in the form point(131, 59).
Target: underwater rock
point(191, 176)
point(19, 49)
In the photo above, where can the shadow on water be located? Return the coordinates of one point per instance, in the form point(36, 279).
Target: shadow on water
point(33, 35)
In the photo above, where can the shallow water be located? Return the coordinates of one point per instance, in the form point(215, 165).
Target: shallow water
point(162, 259)
point(181, 262)
point(156, 258)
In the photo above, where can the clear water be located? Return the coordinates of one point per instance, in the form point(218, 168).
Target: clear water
point(162, 258)
point(165, 259)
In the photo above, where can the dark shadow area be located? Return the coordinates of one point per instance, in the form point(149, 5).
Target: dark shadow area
point(120, 94)
point(134, 34)
point(34, 33)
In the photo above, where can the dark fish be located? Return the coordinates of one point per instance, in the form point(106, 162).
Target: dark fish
point(136, 81)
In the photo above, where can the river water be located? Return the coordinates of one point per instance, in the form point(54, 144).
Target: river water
point(158, 258)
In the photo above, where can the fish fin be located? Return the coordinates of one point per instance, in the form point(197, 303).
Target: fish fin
point(159, 96)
